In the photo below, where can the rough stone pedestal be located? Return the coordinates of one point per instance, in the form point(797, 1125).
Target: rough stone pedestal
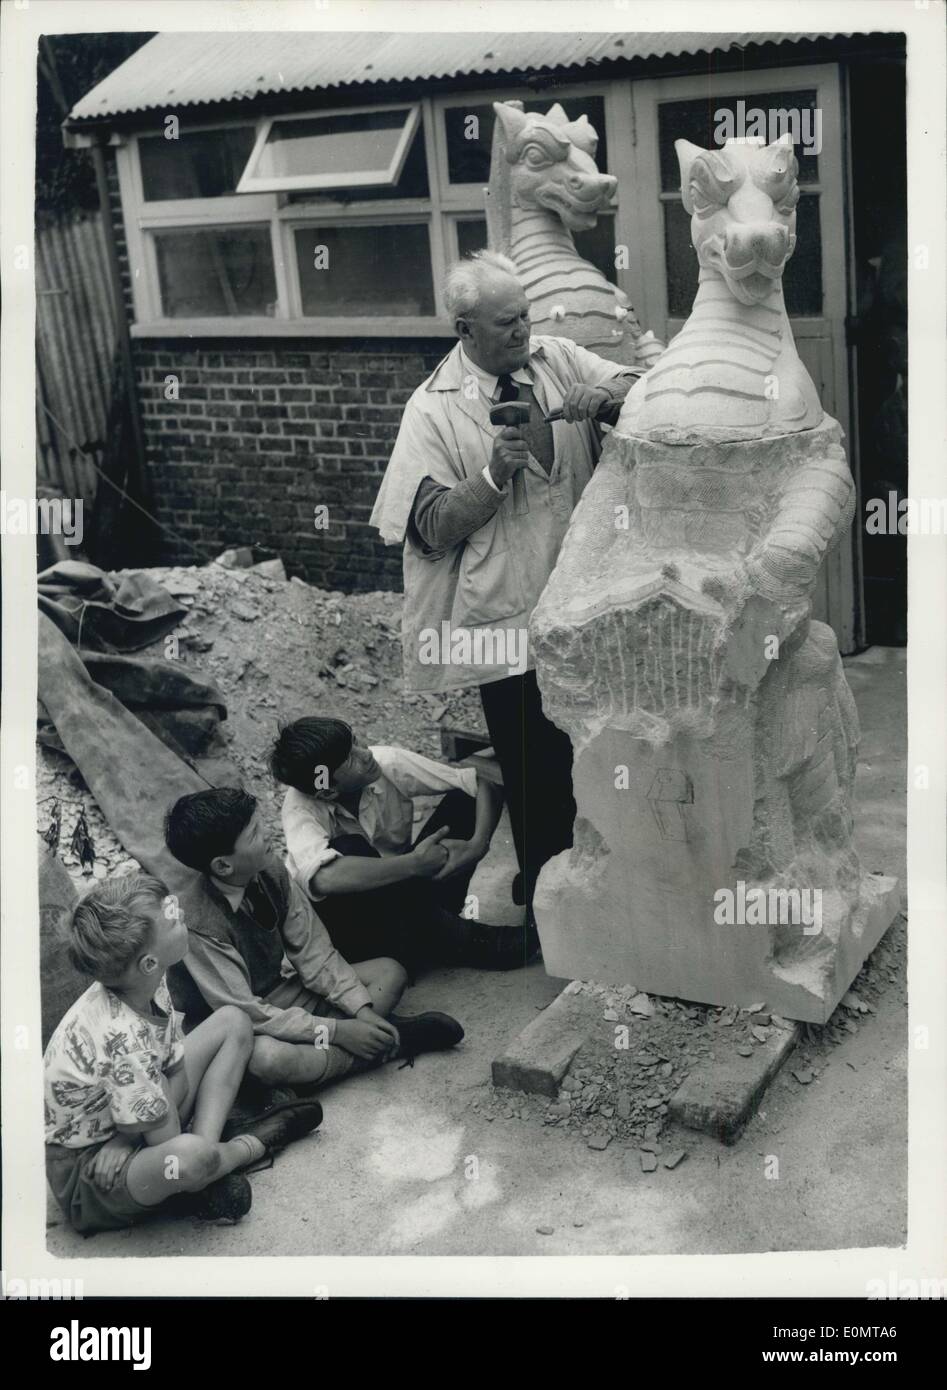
point(646, 914)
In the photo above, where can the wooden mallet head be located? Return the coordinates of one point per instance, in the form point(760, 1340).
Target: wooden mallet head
point(508, 414)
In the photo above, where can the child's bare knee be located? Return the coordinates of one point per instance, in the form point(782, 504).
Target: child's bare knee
point(198, 1162)
point(391, 975)
point(265, 1061)
point(237, 1025)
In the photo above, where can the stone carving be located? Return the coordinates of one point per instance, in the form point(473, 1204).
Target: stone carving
point(713, 726)
point(544, 185)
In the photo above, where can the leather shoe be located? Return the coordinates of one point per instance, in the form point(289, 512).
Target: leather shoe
point(227, 1199)
point(280, 1126)
point(430, 1032)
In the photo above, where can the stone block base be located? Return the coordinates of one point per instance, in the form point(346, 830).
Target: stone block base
point(720, 1097)
point(585, 934)
point(538, 1058)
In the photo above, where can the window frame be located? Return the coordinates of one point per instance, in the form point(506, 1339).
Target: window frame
point(307, 183)
point(445, 205)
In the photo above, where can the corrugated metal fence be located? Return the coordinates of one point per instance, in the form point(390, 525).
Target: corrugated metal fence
point(75, 352)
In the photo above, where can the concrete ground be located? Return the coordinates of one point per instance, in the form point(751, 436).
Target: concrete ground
point(403, 1163)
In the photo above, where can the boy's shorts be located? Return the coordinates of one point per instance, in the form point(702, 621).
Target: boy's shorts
point(87, 1207)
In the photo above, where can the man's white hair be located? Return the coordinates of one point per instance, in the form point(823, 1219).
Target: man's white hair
point(464, 281)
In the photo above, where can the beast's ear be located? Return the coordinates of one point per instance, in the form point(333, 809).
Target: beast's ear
point(779, 160)
point(784, 142)
point(686, 154)
point(511, 116)
point(583, 134)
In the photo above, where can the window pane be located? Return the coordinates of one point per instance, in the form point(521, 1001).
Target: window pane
point(697, 120)
point(412, 183)
point(341, 146)
point(216, 272)
point(207, 164)
point(802, 278)
point(468, 144)
point(366, 271)
point(471, 236)
point(598, 246)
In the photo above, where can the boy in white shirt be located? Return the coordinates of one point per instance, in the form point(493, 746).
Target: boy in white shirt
point(347, 817)
point(136, 1113)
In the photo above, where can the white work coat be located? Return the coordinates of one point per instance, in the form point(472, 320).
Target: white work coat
point(492, 580)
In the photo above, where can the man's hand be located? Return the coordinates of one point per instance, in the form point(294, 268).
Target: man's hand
point(108, 1161)
point(460, 853)
point(369, 1036)
point(510, 454)
point(430, 856)
point(584, 402)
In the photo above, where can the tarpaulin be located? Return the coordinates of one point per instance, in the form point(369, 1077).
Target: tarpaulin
point(98, 614)
point(133, 776)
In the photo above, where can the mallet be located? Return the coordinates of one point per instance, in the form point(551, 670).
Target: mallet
point(510, 414)
point(513, 415)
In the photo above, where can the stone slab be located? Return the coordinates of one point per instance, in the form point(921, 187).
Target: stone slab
point(720, 1097)
point(660, 950)
point(538, 1058)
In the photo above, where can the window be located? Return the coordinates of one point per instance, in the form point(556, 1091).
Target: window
point(215, 271)
point(343, 150)
point(365, 271)
point(695, 120)
point(326, 222)
point(204, 164)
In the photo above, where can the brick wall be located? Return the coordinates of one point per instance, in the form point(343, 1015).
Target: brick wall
point(265, 430)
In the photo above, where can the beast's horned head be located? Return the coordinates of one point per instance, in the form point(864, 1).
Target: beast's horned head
point(553, 162)
point(742, 200)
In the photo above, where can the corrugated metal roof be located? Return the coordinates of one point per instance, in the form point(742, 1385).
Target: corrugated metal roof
point(174, 70)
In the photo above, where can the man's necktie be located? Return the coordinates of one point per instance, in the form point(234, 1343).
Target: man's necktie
point(509, 391)
point(538, 433)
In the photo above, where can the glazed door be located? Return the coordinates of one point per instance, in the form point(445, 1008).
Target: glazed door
point(662, 273)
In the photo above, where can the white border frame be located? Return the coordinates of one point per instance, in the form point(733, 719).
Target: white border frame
point(810, 1274)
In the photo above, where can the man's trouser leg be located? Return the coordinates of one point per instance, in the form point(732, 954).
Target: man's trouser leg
point(536, 760)
point(398, 920)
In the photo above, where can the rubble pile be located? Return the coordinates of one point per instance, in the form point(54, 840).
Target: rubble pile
point(621, 1081)
point(277, 650)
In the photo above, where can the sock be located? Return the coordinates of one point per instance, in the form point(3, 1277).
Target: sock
point(250, 1143)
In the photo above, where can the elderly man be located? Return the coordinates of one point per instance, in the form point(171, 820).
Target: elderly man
point(482, 512)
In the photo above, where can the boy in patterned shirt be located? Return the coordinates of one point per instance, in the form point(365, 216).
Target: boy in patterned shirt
point(122, 1082)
